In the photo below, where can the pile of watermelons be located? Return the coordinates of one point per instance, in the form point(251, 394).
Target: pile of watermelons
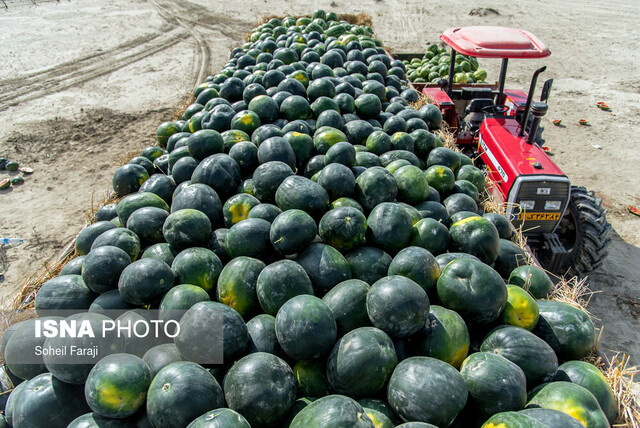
point(434, 65)
point(302, 200)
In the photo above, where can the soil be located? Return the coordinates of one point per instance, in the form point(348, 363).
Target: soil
point(85, 83)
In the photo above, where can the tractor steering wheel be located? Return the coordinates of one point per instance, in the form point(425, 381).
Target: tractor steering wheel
point(495, 109)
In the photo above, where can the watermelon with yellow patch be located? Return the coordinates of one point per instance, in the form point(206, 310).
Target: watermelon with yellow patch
point(237, 285)
point(445, 336)
point(572, 399)
point(512, 420)
point(237, 208)
point(117, 385)
point(521, 309)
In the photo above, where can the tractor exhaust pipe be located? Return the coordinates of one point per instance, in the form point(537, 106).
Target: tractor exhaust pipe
point(538, 110)
point(527, 107)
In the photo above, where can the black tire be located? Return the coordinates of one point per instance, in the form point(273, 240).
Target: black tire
point(584, 232)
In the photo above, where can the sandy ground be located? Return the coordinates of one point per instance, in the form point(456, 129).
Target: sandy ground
point(83, 83)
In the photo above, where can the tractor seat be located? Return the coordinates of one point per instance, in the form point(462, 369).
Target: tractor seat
point(475, 115)
point(477, 104)
point(471, 93)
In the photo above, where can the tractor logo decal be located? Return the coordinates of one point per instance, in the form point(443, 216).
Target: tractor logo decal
point(497, 165)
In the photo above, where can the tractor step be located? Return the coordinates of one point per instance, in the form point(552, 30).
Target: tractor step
point(556, 250)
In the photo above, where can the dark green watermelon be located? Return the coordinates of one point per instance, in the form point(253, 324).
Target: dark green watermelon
point(202, 198)
point(85, 238)
point(311, 378)
point(261, 387)
point(145, 281)
point(292, 231)
point(374, 186)
point(279, 282)
point(180, 393)
point(361, 362)
point(533, 355)
point(102, 268)
point(472, 289)
point(397, 305)
point(306, 328)
point(389, 227)
point(343, 228)
point(368, 264)
point(249, 238)
point(332, 411)
point(63, 295)
point(428, 390)
point(187, 228)
point(122, 238)
point(262, 335)
point(431, 235)
point(220, 418)
point(237, 285)
point(418, 265)
point(325, 266)
point(161, 356)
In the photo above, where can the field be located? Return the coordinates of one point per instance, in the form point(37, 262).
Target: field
point(84, 84)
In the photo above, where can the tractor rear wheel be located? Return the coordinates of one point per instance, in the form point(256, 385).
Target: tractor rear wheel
point(584, 232)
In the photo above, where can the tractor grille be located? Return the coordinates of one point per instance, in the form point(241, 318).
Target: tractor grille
point(542, 192)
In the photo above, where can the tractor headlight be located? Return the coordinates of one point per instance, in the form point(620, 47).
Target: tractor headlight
point(527, 205)
point(552, 205)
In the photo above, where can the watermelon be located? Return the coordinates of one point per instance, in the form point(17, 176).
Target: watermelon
point(237, 284)
point(197, 266)
point(63, 295)
point(276, 149)
point(220, 172)
point(441, 178)
point(374, 186)
point(102, 267)
point(368, 264)
point(418, 265)
point(397, 305)
point(306, 328)
point(338, 180)
point(220, 418)
point(428, 390)
point(326, 137)
point(179, 299)
point(261, 387)
point(147, 224)
point(181, 392)
point(124, 239)
point(413, 186)
point(572, 399)
point(128, 179)
point(444, 336)
point(267, 178)
point(117, 385)
point(199, 197)
point(249, 238)
point(111, 304)
point(510, 257)
point(292, 231)
point(265, 211)
point(343, 228)
point(161, 356)
point(211, 332)
point(533, 279)
point(389, 227)
point(552, 418)
point(162, 252)
point(567, 329)
point(205, 143)
point(279, 282)
point(311, 378)
point(45, 401)
point(472, 289)
point(589, 377)
point(521, 309)
point(536, 359)
point(187, 228)
point(297, 192)
point(237, 208)
point(361, 362)
point(85, 238)
point(302, 145)
point(325, 266)
point(512, 419)
point(476, 236)
point(495, 384)
point(145, 281)
point(473, 175)
point(262, 335)
point(332, 411)
point(431, 235)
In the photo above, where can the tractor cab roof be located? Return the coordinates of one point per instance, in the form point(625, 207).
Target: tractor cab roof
point(495, 42)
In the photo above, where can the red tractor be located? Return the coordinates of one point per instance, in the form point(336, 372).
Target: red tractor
point(565, 225)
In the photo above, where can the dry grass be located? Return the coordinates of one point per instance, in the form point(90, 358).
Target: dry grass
point(423, 101)
point(573, 291)
point(182, 106)
point(619, 375)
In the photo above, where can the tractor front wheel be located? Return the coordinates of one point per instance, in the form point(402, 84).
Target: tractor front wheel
point(584, 232)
